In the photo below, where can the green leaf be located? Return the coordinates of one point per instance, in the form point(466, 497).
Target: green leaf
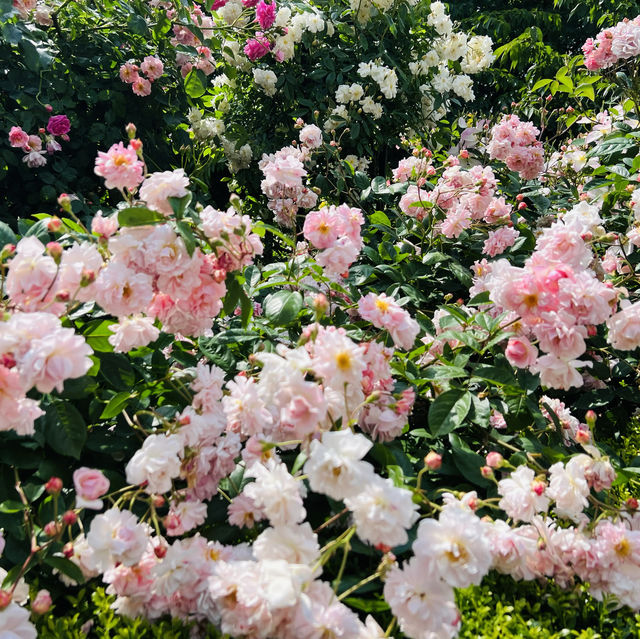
point(36, 58)
point(443, 372)
point(137, 24)
point(65, 430)
point(7, 236)
point(185, 232)
point(139, 216)
point(10, 506)
point(116, 404)
point(448, 411)
point(282, 307)
point(194, 84)
point(66, 567)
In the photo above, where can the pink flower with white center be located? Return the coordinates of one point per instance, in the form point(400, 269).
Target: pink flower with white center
point(157, 187)
point(559, 373)
point(34, 143)
point(276, 493)
point(425, 607)
point(152, 67)
point(311, 136)
point(568, 488)
point(382, 512)
point(500, 240)
point(520, 352)
point(132, 332)
point(624, 327)
point(383, 312)
point(335, 467)
point(323, 227)
point(337, 359)
point(129, 72)
point(522, 495)
point(156, 463)
point(18, 138)
point(105, 227)
point(456, 544)
point(121, 291)
point(90, 485)
point(141, 86)
point(116, 537)
point(120, 167)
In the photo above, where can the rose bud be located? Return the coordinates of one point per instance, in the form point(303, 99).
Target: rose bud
point(53, 486)
point(5, 599)
point(54, 224)
point(433, 460)
point(494, 459)
point(69, 518)
point(41, 604)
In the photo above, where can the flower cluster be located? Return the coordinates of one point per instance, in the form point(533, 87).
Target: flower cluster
point(516, 144)
point(32, 145)
point(613, 45)
point(336, 231)
point(151, 67)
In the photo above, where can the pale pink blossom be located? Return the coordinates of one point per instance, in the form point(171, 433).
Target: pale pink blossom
point(157, 187)
point(141, 86)
point(522, 495)
point(120, 167)
point(520, 352)
point(90, 485)
point(132, 332)
point(152, 67)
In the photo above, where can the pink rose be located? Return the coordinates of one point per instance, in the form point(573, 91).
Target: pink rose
point(17, 137)
point(266, 14)
point(257, 48)
point(520, 352)
point(58, 125)
point(90, 485)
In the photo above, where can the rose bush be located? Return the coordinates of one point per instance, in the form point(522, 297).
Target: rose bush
point(321, 404)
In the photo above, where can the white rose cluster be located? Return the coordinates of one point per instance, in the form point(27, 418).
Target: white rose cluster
point(266, 80)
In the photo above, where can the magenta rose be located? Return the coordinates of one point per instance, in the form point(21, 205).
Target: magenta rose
point(58, 125)
point(90, 485)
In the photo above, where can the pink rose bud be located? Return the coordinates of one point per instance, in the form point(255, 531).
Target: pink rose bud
point(7, 251)
point(486, 472)
point(48, 107)
point(53, 486)
point(131, 130)
point(520, 352)
point(88, 277)
point(54, 224)
point(41, 604)
point(51, 529)
point(55, 250)
point(67, 550)
point(494, 459)
point(464, 154)
point(63, 296)
point(136, 144)
point(160, 551)
point(433, 460)
point(90, 485)
point(159, 501)
point(42, 130)
point(69, 518)
point(383, 548)
point(5, 599)
point(590, 418)
point(583, 436)
point(519, 197)
point(522, 206)
point(320, 304)
point(631, 503)
point(549, 98)
point(65, 202)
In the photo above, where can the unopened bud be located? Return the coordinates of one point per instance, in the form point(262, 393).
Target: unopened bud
point(494, 459)
point(53, 486)
point(42, 602)
point(131, 130)
point(55, 250)
point(549, 98)
point(160, 551)
point(464, 154)
point(69, 518)
point(159, 501)
point(522, 206)
point(136, 145)
point(486, 472)
point(67, 550)
point(88, 277)
point(5, 599)
point(433, 460)
point(7, 251)
point(320, 304)
point(65, 202)
point(51, 529)
point(582, 436)
point(236, 202)
point(590, 417)
point(570, 109)
point(48, 107)
point(54, 224)
point(631, 503)
point(63, 296)
point(538, 487)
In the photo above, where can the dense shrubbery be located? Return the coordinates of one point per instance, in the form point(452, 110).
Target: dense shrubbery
point(303, 347)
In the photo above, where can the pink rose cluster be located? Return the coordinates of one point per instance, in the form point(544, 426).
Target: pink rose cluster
point(152, 67)
point(467, 197)
point(383, 312)
point(283, 183)
point(36, 351)
point(202, 60)
point(36, 147)
point(516, 144)
point(182, 35)
point(557, 301)
point(336, 231)
point(613, 45)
